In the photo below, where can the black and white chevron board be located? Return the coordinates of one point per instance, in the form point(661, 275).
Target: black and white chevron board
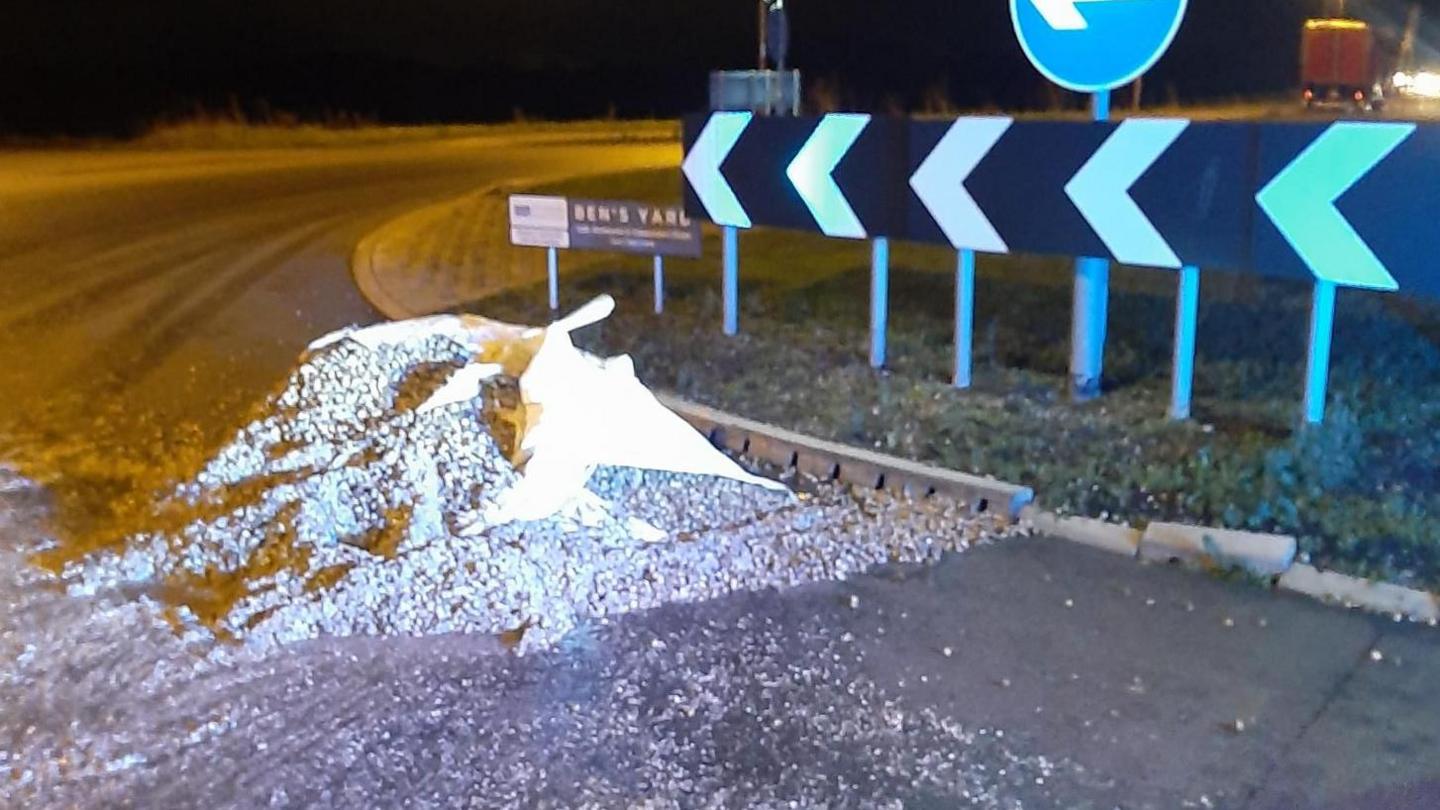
point(1342, 204)
point(1353, 203)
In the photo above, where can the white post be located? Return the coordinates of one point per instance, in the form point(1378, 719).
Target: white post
point(659, 285)
point(964, 319)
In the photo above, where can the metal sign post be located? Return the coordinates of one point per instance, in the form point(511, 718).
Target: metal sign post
point(659, 285)
point(1187, 318)
point(1094, 47)
point(730, 281)
point(964, 319)
point(879, 300)
point(552, 263)
point(1317, 358)
point(1091, 307)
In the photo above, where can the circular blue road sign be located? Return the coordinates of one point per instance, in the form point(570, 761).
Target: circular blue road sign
point(1095, 45)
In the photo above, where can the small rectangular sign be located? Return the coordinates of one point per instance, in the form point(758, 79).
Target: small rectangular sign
point(625, 226)
point(618, 226)
point(539, 221)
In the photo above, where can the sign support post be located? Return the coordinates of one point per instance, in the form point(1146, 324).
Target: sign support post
point(1187, 317)
point(730, 236)
point(964, 318)
point(1317, 367)
point(659, 285)
point(553, 265)
point(879, 300)
point(1091, 307)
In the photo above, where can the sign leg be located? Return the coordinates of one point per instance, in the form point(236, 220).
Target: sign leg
point(1092, 302)
point(659, 285)
point(1317, 369)
point(553, 266)
point(1187, 318)
point(1087, 341)
point(879, 300)
point(731, 281)
point(964, 318)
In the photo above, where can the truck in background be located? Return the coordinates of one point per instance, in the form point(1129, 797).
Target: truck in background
point(1338, 65)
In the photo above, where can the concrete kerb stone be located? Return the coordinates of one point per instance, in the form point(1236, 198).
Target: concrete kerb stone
point(829, 460)
point(1269, 556)
point(1111, 537)
point(1351, 591)
point(1264, 555)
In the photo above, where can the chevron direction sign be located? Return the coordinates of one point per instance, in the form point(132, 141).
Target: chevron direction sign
point(1353, 203)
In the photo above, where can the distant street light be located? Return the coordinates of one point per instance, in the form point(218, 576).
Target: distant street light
point(774, 24)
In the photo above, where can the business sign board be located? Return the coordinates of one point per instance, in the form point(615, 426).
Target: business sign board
point(633, 227)
point(1095, 45)
point(617, 226)
point(539, 221)
point(1351, 203)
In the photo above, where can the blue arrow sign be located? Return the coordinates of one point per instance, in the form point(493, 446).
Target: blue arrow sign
point(812, 172)
point(1301, 200)
point(1101, 191)
point(702, 168)
point(1095, 45)
point(940, 183)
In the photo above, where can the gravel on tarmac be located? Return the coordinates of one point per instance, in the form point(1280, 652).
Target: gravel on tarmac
point(306, 627)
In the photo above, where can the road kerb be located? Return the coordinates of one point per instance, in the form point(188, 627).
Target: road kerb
point(1349, 591)
point(1264, 555)
point(1111, 537)
point(829, 460)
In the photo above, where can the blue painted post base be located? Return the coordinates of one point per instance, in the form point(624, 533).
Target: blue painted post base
point(1187, 320)
point(1317, 368)
point(965, 319)
point(552, 263)
point(879, 301)
point(730, 238)
point(1087, 340)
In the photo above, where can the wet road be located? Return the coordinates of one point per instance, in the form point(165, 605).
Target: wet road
point(149, 290)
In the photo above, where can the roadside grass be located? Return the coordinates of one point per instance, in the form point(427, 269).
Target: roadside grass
point(1362, 493)
point(223, 133)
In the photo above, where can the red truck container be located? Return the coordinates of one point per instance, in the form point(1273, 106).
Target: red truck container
point(1337, 64)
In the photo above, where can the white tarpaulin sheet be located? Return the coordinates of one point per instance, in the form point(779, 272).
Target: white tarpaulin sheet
point(581, 411)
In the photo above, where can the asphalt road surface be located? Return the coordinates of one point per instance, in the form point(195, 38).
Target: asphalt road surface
point(162, 288)
point(150, 298)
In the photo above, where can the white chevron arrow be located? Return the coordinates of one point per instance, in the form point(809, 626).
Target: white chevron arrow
point(813, 169)
point(940, 183)
point(1064, 15)
point(1101, 191)
point(702, 168)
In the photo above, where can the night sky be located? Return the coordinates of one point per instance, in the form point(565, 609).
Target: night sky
point(96, 67)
